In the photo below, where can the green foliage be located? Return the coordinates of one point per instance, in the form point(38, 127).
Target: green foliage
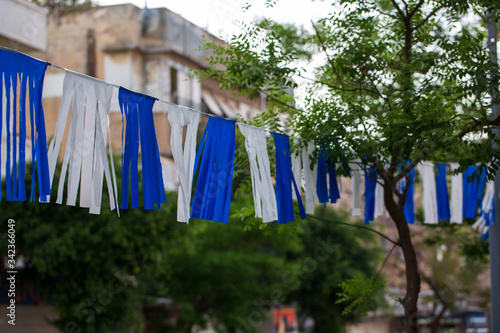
point(361, 294)
point(376, 96)
point(95, 268)
point(62, 4)
point(333, 254)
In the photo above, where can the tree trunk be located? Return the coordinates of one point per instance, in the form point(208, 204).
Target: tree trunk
point(436, 322)
point(409, 302)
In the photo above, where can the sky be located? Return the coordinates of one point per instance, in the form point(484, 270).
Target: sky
point(219, 16)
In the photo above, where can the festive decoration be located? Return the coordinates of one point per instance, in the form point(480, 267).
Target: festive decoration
point(429, 197)
point(264, 196)
point(456, 202)
point(212, 196)
point(18, 68)
point(356, 173)
point(310, 177)
point(86, 160)
point(443, 203)
point(138, 111)
point(326, 191)
point(408, 208)
point(370, 185)
point(180, 117)
point(472, 191)
point(85, 155)
point(284, 181)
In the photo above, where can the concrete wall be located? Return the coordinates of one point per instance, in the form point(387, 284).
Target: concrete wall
point(23, 25)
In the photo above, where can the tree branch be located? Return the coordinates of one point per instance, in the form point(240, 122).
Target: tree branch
point(427, 17)
point(394, 3)
point(354, 226)
point(414, 10)
point(330, 61)
point(471, 128)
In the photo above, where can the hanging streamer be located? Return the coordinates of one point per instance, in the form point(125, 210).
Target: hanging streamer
point(310, 177)
point(370, 185)
point(85, 156)
point(284, 181)
point(473, 192)
point(429, 197)
point(326, 191)
point(356, 173)
point(215, 178)
point(297, 167)
point(180, 117)
point(487, 215)
point(443, 203)
point(15, 69)
point(456, 202)
point(379, 198)
point(408, 208)
point(138, 111)
point(264, 197)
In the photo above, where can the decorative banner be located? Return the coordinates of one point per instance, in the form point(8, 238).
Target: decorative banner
point(138, 111)
point(443, 203)
point(18, 68)
point(473, 192)
point(408, 208)
point(457, 192)
point(284, 180)
point(429, 197)
point(379, 198)
point(297, 167)
point(179, 117)
point(356, 173)
point(324, 191)
point(264, 197)
point(212, 196)
point(370, 185)
point(85, 155)
point(487, 214)
point(310, 177)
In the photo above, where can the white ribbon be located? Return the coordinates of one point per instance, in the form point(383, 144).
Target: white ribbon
point(457, 192)
point(429, 195)
point(356, 173)
point(379, 198)
point(296, 168)
point(85, 155)
point(179, 117)
point(310, 177)
point(486, 208)
point(263, 191)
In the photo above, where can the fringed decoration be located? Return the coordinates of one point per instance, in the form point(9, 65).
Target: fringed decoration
point(138, 111)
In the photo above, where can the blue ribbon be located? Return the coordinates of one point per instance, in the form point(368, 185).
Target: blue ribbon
point(443, 202)
point(324, 167)
point(472, 192)
point(138, 111)
point(284, 181)
point(215, 160)
point(30, 72)
point(408, 208)
point(370, 185)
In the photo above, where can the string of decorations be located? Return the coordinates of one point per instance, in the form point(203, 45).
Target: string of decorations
point(87, 164)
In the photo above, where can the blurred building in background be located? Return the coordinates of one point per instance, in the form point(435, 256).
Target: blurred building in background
point(150, 50)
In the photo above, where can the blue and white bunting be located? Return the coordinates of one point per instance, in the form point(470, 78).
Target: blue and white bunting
point(138, 111)
point(215, 161)
point(21, 84)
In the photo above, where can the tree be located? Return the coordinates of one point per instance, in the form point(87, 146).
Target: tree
point(94, 268)
point(402, 81)
point(353, 257)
